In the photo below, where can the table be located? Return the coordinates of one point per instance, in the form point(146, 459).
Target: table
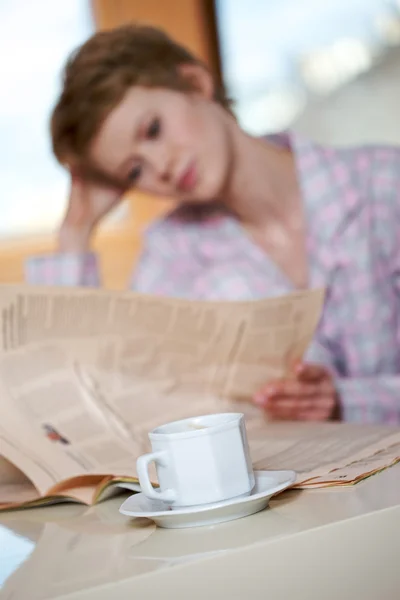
point(318, 544)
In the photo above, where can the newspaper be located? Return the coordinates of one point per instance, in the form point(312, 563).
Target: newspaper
point(85, 374)
point(324, 454)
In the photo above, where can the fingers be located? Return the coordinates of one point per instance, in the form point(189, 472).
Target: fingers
point(283, 409)
point(293, 388)
point(75, 172)
point(101, 179)
point(311, 408)
point(321, 411)
point(307, 376)
point(311, 372)
point(311, 396)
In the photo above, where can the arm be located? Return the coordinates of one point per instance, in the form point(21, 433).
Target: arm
point(74, 264)
point(362, 399)
point(319, 393)
point(370, 400)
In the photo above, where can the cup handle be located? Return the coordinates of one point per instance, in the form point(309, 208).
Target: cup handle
point(142, 465)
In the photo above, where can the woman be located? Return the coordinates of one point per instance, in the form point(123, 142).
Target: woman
point(255, 218)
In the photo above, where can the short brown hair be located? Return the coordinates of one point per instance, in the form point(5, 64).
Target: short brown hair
point(99, 73)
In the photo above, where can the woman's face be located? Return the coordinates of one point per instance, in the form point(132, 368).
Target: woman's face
point(166, 143)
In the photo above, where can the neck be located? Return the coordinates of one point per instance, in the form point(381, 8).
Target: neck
point(262, 187)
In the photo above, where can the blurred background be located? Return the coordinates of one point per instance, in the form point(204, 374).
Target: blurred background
point(329, 69)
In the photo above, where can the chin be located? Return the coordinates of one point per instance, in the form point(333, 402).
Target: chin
point(203, 194)
point(196, 202)
point(200, 198)
point(210, 193)
point(198, 209)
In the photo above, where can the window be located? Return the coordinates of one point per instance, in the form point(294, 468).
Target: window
point(278, 55)
point(36, 38)
point(14, 550)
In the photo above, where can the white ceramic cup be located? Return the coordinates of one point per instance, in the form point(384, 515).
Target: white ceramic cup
point(201, 460)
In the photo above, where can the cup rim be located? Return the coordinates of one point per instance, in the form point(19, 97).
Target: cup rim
point(158, 434)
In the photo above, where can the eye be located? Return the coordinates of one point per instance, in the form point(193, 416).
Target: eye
point(134, 174)
point(154, 129)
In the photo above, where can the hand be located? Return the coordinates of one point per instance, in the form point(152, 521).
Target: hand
point(309, 396)
point(88, 203)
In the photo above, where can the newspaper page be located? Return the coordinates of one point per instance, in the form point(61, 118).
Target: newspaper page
point(324, 454)
point(52, 433)
point(85, 374)
point(226, 348)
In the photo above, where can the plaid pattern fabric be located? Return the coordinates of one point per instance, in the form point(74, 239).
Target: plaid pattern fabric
point(63, 270)
point(352, 204)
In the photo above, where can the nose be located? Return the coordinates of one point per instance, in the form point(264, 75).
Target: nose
point(161, 163)
point(163, 171)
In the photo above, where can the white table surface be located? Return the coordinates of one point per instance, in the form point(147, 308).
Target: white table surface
point(318, 544)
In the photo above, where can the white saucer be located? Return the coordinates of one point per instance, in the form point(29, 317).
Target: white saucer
point(268, 483)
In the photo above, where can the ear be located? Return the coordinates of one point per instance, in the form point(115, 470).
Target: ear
point(200, 80)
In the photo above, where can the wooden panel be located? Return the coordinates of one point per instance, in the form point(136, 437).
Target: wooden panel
point(187, 21)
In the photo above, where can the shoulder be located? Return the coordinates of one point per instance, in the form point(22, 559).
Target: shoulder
point(376, 170)
point(365, 162)
point(355, 154)
point(370, 160)
point(381, 166)
point(369, 171)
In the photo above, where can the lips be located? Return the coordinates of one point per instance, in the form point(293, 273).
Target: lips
point(188, 180)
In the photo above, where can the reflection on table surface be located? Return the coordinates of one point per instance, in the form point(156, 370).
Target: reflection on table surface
point(62, 549)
